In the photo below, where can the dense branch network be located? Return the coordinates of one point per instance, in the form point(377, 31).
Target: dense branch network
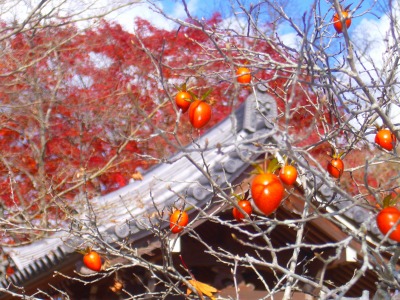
point(85, 110)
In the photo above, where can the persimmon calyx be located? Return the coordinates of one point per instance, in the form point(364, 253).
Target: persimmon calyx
point(268, 167)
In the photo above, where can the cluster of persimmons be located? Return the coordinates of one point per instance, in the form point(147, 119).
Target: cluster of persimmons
point(268, 185)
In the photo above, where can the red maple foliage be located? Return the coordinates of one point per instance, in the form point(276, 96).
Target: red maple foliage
point(68, 122)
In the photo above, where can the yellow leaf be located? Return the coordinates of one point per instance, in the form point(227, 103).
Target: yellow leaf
point(137, 176)
point(202, 289)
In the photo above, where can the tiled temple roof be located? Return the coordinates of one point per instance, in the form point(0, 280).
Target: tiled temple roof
point(125, 213)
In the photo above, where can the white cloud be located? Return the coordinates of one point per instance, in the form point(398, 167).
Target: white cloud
point(369, 37)
point(236, 24)
point(290, 39)
point(179, 10)
point(127, 16)
point(151, 13)
point(83, 12)
point(372, 38)
point(83, 9)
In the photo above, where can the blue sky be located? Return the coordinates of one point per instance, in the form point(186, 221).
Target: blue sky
point(369, 22)
point(205, 8)
point(296, 8)
point(368, 30)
